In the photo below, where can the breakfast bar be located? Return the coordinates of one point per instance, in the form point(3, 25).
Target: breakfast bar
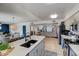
point(23, 51)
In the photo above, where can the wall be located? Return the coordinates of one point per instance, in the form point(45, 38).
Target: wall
point(8, 18)
point(20, 28)
point(19, 22)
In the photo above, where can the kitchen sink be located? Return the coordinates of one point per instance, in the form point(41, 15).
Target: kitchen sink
point(32, 41)
point(29, 43)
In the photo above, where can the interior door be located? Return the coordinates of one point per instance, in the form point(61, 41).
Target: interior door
point(24, 30)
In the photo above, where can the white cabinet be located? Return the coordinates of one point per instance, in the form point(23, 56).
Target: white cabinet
point(38, 50)
point(72, 53)
point(34, 52)
point(41, 48)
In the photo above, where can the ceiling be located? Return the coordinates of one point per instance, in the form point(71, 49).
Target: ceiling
point(36, 11)
point(43, 11)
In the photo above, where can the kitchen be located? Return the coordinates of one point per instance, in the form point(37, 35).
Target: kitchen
point(34, 30)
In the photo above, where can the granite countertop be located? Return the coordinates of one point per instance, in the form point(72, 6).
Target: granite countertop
point(74, 47)
point(68, 37)
point(22, 51)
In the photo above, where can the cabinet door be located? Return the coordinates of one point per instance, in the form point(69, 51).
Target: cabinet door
point(42, 48)
point(38, 50)
point(72, 53)
point(33, 52)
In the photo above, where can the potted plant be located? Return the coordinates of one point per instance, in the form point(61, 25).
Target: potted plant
point(4, 47)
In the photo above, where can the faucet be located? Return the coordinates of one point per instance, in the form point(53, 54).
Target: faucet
point(25, 36)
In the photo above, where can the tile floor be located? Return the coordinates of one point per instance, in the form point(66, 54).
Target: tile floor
point(51, 44)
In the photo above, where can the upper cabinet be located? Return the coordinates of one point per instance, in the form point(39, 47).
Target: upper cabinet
point(73, 21)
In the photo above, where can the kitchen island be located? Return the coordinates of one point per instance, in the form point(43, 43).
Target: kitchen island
point(35, 50)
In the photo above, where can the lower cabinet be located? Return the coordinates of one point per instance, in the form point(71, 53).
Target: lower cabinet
point(69, 51)
point(66, 50)
point(34, 52)
point(72, 53)
point(38, 50)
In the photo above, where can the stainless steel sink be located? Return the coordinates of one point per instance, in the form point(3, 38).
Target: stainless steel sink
point(29, 43)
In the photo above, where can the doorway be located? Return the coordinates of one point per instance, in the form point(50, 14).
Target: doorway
point(24, 30)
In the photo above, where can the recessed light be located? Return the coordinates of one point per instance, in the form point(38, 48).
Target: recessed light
point(53, 16)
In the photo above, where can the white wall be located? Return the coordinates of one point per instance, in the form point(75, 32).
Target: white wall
point(20, 27)
point(7, 18)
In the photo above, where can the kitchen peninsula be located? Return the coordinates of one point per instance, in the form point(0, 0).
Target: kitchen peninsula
point(36, 49)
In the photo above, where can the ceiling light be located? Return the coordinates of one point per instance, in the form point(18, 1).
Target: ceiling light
point(53, 16)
